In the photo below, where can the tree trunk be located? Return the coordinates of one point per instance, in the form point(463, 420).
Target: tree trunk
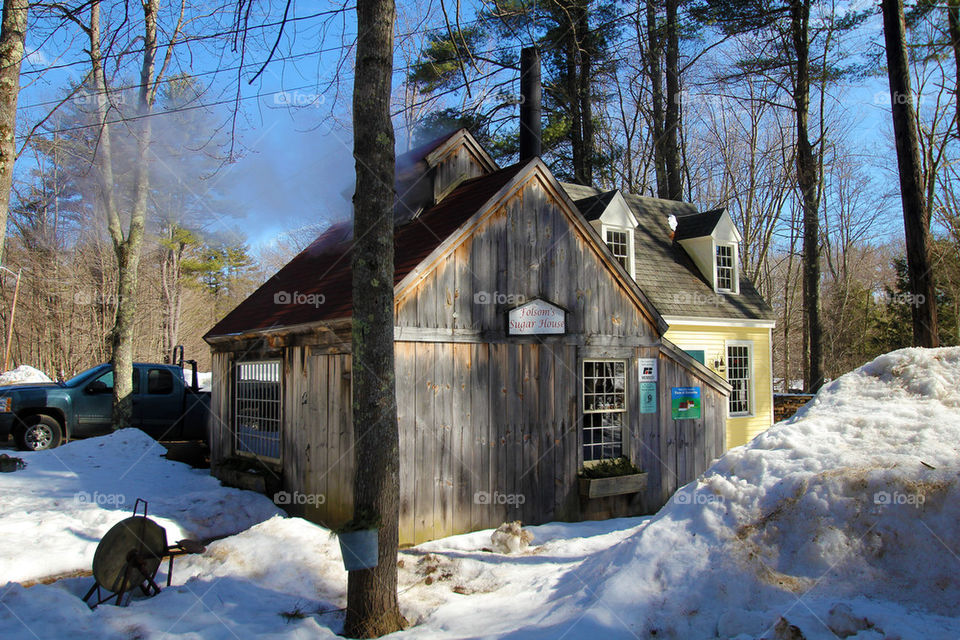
point(807, 180)
point(657, 114)
point(12, 35)
point(372, 606)
point(671, 124)
point(953, 19)
point(585, 93)
point(916, 215)
point(570, 44)
point(126, 249)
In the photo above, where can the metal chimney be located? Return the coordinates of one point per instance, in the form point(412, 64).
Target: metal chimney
point(530, 111)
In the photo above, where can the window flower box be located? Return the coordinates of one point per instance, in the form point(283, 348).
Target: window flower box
point(614, 486)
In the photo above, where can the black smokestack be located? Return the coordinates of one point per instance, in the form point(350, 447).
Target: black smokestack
point(530, 103)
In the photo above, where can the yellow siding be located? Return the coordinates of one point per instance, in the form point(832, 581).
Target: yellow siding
point(712, 340)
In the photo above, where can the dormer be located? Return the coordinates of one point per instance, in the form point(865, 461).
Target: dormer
point(425, 175)
point(712, 241)
point(616, 223)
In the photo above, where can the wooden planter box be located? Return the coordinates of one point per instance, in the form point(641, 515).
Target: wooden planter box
point(615, 486)
point(242, 479)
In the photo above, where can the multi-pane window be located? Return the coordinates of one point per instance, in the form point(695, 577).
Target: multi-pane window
point(738, 375)
point(725, 267)
point(257, 408)
point(604, 408)
point(619, 244)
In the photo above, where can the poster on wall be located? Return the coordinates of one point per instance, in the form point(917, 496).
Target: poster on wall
point(685, 403)
point(648, 397)
point(648, 369)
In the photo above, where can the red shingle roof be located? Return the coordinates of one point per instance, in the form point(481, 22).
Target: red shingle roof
point(322, 270)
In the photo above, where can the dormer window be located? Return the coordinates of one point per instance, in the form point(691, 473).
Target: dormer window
point(711, 240)
point(620, 242)
point(617, 242)
point(726, 268)
point(612, 218)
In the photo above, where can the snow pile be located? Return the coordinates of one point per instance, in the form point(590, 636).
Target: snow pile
point(24, 374)
point(54, 512)
point(850, 511)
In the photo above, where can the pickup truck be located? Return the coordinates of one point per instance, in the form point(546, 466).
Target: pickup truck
point(44, 416)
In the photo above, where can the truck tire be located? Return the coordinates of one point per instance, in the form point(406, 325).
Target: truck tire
point(39, 432)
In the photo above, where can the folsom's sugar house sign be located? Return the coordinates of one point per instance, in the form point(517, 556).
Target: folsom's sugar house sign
point(536, 317)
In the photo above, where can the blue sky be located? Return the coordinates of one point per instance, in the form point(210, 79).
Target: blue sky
point(295, 163)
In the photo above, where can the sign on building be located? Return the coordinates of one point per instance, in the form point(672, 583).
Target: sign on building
point(648, 369)
point(648, 397)
point(535, 318)
point(685, 403)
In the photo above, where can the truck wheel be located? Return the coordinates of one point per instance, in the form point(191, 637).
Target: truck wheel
point(39, 432)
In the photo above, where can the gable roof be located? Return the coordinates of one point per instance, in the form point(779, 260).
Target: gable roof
point(697, 225)
point(665, 272)
point(323, 268)
point(592, 207)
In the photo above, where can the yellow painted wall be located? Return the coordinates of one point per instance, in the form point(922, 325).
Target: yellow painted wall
point(712, 341)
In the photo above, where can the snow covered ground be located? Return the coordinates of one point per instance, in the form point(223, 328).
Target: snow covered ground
point(841, 522)
point(54, 512)
point(24, 374)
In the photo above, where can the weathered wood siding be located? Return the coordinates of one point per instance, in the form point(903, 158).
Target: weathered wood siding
point(458, 165)
point(221, 445)
point(525, 249)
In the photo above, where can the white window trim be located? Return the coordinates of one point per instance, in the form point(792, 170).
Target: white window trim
point(625, 431)
point(751, 394)
point(631, 247)
point(735, 276)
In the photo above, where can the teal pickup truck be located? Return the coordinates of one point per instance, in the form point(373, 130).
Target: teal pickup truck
point(44, 416)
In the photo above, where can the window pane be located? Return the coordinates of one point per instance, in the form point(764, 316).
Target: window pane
point(159, 382)
point(738, 375)
point(604, 405)
point(257, 411)
point(107, 379)
point(618, 243)
point(725, 267)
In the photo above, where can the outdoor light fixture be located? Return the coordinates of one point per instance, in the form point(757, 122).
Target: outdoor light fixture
point(718, 363)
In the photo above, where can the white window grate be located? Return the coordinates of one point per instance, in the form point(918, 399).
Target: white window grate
point(618, 242)
point(604, 408)
point(725, 267)
point(738, 375)
point(257, 408)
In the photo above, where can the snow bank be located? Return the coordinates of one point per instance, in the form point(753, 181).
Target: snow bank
point(24, 374)
point(851, 507)
point(54, 512)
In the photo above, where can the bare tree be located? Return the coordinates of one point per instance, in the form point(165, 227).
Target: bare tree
point(372, 607)
point(127, 245)
point(12, 35)
point(916, 214)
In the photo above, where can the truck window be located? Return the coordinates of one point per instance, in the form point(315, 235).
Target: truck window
point(107, 380)
point(159, 382)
